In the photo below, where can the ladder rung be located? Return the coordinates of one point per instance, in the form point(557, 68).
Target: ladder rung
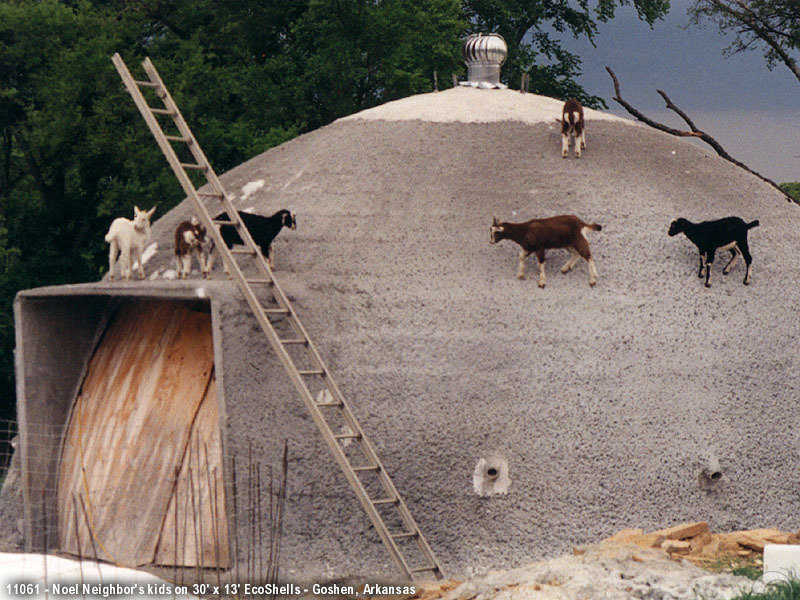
point(385, 501)
point(276, 311)
point(194, 166)
point(295, 341)
point(161, 111)
point(146, 84)
point(267, 281)
point(323, 404)
point(243, 251)
point(405, 534)
point(367, 468)
point(178, 138)
point(210, 195)
point(223, 222)
point(423, 569)
point(347, 436)
point(312, 372)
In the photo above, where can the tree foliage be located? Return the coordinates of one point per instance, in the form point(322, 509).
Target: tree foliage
point(771, 25)
point(247, 74)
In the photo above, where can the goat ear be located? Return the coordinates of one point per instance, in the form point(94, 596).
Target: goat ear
point(151, 211)
point(494, 222)
point(136, 210)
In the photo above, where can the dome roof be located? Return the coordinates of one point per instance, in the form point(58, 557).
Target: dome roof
point(605, 401)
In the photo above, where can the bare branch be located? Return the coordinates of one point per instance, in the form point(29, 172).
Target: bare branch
point(641, 117)
point(695, 132)
point(682, 114)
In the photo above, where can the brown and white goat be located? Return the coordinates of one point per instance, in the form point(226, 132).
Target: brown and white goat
point(572, 126)
point(537, 235)
point(191, 238)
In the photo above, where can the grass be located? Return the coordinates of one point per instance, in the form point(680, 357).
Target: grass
point(793, 189)
point(744, 567)
point(780, 590)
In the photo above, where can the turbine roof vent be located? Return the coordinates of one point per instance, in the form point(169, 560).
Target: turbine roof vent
point(484, 55)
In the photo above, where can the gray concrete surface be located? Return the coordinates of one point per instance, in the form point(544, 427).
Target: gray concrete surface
point(606, 401)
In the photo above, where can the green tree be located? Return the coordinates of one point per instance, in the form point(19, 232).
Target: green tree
point(526, 26)
point(349, 55)
point(770, 25)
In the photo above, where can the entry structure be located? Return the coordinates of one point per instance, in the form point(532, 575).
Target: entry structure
point(119, 423)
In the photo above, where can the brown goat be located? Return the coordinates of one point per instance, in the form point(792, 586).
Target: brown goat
point(572, 126)
point(537, 235)
point(191, 238)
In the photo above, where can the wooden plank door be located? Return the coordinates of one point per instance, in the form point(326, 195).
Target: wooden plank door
point(130, 429)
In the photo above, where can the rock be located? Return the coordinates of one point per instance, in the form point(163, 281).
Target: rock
point(728, 543)
point(683, 531)
point(604, 571)
point(649, 540)
point(676, 547)
point(700, 541)
point(748, 541)
point(712, 548)
point(624, 536)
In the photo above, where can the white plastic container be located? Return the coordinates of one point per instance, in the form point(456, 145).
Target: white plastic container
point(781, 562)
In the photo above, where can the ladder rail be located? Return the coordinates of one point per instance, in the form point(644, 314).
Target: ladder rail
point(261, 314)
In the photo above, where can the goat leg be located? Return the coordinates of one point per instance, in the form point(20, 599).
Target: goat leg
point(731, 262)
point(540, 258)
point(592, 272)
point(113, 252)
point(570, 264)
point(709, 262)
point(523, 254)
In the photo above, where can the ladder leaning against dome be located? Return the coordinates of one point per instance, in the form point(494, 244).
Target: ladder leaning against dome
point(332, 399)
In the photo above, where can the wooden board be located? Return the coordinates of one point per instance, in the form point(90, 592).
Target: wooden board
point(201, 537)
point(130, 428)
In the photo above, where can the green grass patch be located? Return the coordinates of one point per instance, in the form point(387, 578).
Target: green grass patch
point(793, 189)
point(745, 567)
point(779, 590)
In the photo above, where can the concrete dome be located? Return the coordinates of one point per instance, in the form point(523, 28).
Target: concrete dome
point(605, 401)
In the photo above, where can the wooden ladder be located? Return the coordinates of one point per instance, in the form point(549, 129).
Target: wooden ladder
point(378, 496)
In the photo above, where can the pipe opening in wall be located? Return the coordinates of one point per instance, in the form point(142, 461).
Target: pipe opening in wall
point(710, 473)
point(490, 476)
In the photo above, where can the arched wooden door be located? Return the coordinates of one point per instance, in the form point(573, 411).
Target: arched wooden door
point(143, 442)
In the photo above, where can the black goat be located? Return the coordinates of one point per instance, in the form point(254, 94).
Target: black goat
point(262, 229)
point(729, 233)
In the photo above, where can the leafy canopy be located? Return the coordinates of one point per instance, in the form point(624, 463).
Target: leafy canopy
point(770, 25)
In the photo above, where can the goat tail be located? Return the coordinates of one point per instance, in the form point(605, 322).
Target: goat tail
point(595, 226)
point(753, 224)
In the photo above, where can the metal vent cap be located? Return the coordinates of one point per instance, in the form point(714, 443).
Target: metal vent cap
point(484, 55)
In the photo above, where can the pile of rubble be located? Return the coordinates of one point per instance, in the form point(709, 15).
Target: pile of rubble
point(696, 543)
point(669, 564)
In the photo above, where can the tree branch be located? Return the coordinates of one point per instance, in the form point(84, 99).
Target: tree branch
point(755, 23)
point(695, 132)
point(641, 117)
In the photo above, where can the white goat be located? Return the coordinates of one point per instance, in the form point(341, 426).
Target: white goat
point(128, 237)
